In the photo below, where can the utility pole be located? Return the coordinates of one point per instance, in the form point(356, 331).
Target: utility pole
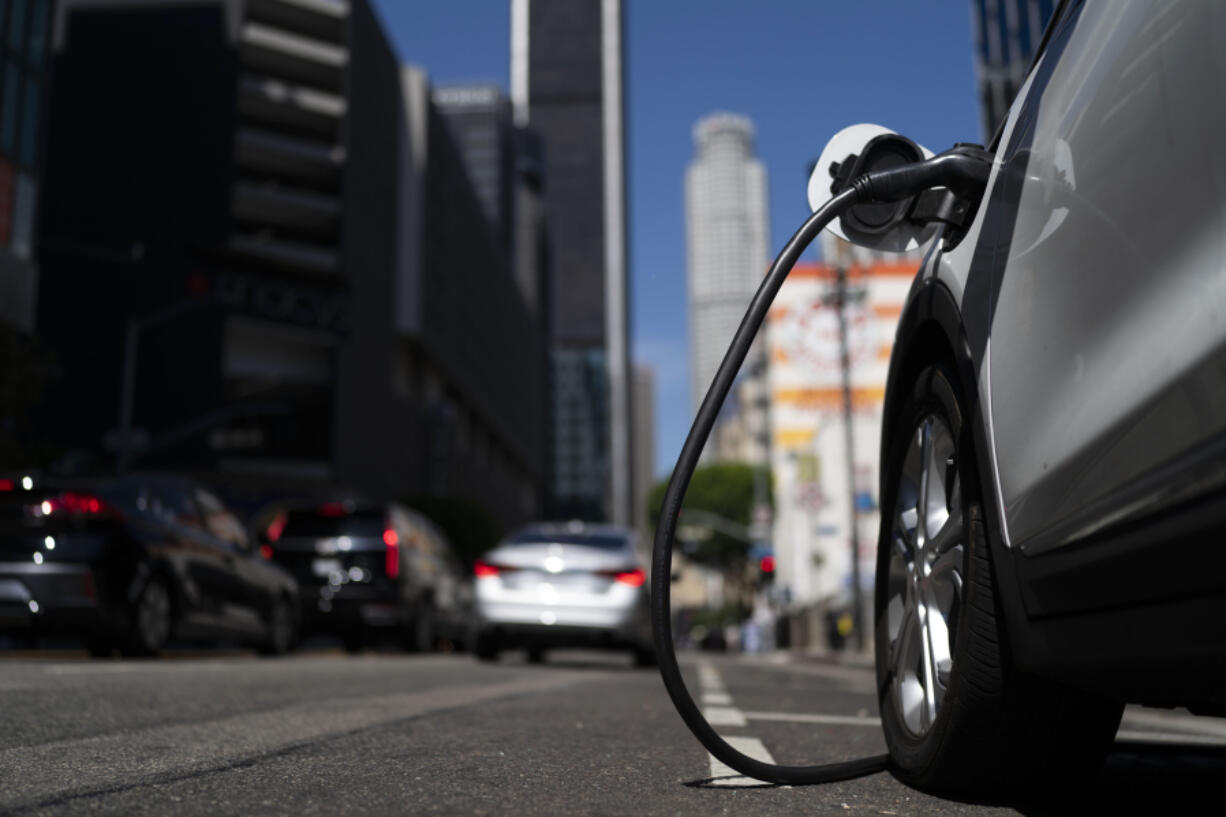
point(857, 613)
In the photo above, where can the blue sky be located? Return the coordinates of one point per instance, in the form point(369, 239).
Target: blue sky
point(800, 69)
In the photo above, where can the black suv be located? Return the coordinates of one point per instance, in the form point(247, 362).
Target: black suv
point(369, 571)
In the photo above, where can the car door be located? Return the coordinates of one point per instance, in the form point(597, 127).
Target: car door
point(247, 586)
point(209, 561)
point(1107, 392)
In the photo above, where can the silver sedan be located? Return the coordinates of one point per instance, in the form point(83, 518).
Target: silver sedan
point(563, 585)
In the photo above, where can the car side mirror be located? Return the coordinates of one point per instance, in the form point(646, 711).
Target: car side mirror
point(851, 153)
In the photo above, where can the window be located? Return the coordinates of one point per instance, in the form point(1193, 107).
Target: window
point(8, 108)
point(36, 47)
point(17, 24)
point(29, 124)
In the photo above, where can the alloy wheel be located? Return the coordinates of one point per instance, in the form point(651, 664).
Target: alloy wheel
point(153, 616)
point(925, 576)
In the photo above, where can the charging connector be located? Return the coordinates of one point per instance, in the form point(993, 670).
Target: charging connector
point(963, 172)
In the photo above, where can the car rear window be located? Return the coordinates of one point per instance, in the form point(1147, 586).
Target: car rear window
point(315, 525)
point(591, 540)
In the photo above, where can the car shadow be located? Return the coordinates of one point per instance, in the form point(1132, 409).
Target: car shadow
point(1135, 778)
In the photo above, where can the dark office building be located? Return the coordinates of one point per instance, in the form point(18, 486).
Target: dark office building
point(506, 165)
point(1007, 34)
point(227, 229)
point(566, 82)
point(25, 30)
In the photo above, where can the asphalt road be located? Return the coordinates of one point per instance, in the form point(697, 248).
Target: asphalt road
point(325, 733)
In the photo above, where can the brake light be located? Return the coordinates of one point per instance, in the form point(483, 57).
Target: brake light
point(634, 578)
point(392, 564)
point(482, 569)
point(71, 503)
point(276, 527)
point(266, 552)
point(6, 485)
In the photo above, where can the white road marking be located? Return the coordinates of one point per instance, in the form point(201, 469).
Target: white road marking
point(717, 698)
point(722, 775)
point(800, 717)
point(724, 716)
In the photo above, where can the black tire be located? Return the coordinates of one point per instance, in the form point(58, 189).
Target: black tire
point(153, 620)
point(995, 727)
point(354, 642)
point(486, 647)
point(280, 635)
point(536, 655)
point(422, 634)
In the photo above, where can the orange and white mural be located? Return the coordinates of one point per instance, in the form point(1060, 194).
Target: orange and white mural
point(813, 486)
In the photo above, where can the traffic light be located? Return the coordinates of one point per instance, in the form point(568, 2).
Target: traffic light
point(766, 569)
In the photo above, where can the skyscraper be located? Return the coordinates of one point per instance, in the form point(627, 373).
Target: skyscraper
point(566, 82)
point(726, 233)
point(1007, 33)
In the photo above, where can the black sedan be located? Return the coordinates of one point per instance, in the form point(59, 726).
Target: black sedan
point(131, 563)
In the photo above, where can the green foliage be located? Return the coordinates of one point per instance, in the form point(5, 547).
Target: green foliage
point(471, 529)
point(725, 489)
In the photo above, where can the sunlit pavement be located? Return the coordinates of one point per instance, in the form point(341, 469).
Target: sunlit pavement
point(383, 733)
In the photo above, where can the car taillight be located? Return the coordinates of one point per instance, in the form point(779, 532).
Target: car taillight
point(634, 578)
point(482, 569)
point(266, 552)
point(276, 527)
point(71, 503)
point(392, 563)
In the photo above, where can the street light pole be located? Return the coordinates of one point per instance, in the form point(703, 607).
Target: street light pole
point(130, 342)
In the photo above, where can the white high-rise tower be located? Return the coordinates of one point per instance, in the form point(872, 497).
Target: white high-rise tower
point(726, 230)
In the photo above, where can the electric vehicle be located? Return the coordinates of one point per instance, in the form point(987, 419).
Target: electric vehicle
point(563, 585)
point(1053, 458)
point(1054, 432)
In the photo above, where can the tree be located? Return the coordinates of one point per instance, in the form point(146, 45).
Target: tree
point(722, 488)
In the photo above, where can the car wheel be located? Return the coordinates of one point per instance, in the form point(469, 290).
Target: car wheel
point(152, 619)
point(956, 715)
point(422, 636)
point(280, 635)
point(486, 647)
point(353, 643)
point(536, 655)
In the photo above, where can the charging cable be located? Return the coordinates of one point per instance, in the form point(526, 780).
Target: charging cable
point(963, 173)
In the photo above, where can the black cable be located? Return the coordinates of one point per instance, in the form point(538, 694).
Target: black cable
point(661, 573)
point(964, 170)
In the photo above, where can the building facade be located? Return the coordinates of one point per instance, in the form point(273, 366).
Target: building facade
point(259, 261)
point(818, 497)
point(25, 33)
point(726, 249)
point(1007, 34)
point(566, 83)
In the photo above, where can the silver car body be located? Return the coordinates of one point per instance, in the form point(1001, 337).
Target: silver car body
point(1086, 309)
point(1101, 362)
point(552, 587)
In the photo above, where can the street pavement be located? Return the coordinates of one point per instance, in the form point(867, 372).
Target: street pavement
point(585, 733)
